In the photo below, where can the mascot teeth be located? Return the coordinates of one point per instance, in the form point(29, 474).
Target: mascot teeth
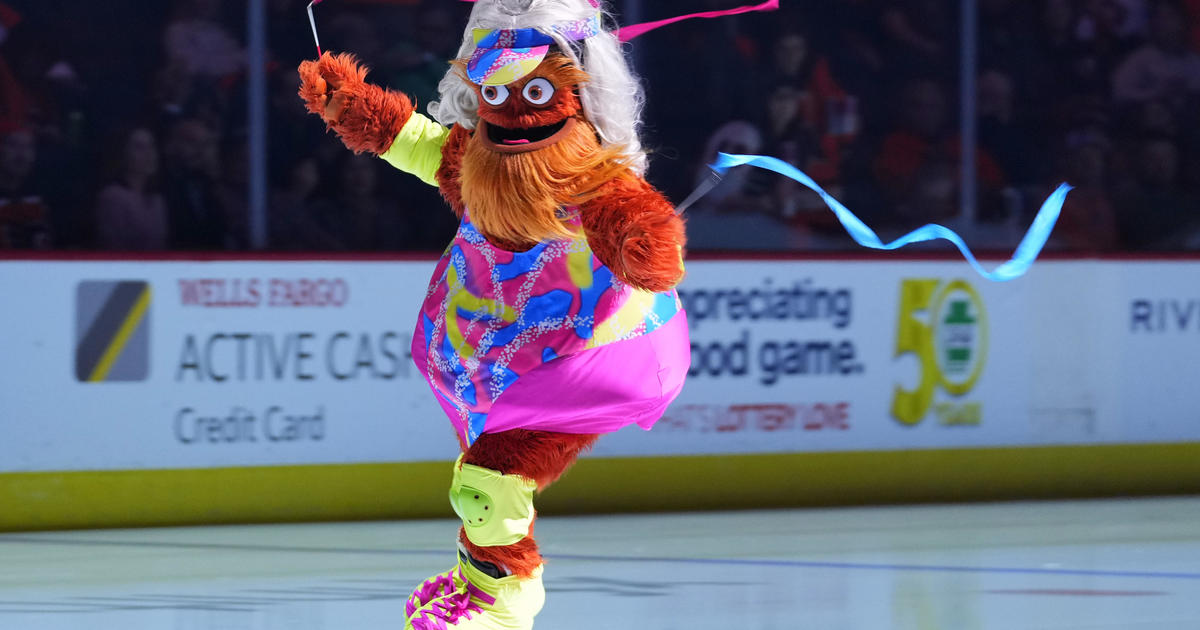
point(525, 138)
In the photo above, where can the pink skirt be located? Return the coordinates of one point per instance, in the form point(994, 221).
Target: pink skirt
point(599, 390)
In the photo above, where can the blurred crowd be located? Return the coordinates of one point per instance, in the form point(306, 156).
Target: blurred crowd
point(123, 126)
point(864, 96)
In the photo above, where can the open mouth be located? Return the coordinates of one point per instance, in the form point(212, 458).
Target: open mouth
point(518, 140)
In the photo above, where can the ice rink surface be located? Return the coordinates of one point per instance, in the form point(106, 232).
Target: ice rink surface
point(1103, 565)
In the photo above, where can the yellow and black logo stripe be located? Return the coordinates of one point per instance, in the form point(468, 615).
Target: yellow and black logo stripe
point(114, 344)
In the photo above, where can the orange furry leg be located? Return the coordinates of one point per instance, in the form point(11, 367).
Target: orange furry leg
point(538, 455)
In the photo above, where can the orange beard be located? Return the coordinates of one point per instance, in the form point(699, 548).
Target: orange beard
point(514, 198)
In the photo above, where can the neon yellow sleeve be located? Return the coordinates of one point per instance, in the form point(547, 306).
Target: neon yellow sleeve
point(418, 148)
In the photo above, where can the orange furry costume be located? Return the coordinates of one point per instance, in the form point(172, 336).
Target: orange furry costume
point(532, 171)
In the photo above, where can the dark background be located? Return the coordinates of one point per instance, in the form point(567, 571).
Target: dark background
point(123, 125)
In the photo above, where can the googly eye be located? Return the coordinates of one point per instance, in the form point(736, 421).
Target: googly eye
point(494, 94)
point(538, 91)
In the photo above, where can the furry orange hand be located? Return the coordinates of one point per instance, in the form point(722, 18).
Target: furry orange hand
point(366, 117)
point(635, 232)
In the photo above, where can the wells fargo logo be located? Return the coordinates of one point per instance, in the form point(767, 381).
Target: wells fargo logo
point(112, 330)
point(945, 326)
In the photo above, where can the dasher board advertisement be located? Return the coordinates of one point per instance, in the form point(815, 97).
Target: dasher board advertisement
point(134, 365)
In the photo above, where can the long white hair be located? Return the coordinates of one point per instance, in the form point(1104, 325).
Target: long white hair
point(612, 100)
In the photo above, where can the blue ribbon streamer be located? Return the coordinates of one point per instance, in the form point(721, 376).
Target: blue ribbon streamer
point(1031, 245)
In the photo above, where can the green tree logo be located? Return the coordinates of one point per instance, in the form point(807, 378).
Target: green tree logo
point(945, 326)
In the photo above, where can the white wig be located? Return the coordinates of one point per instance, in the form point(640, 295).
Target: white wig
point(612, 99)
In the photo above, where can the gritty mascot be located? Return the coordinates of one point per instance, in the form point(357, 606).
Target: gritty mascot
point(552, 316)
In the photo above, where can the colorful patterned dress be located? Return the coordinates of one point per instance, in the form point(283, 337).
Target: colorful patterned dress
point(547, 339)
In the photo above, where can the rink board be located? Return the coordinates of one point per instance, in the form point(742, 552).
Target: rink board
point(75, 500)
point(155, 392)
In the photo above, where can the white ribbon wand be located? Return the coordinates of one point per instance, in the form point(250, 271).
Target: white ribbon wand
point(313, 22)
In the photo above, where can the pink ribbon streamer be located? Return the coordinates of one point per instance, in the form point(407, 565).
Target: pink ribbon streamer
point(627, 33)
point(595, 3)
point(634, 30)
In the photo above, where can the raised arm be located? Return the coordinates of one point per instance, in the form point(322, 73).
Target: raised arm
point(370, 119)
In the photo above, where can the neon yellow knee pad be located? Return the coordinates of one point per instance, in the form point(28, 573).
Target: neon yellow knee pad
point(496, 509)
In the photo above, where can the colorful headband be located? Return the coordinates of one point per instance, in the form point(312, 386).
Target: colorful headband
point(504, 55)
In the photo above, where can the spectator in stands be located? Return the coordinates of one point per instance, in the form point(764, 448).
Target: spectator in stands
point(791, 133)
point(1077, 49)
point(807, 106)
point(850, 35)
point(14, 97)
point(1088, 221)
point(180, 92)
point(910, 163)
point(935, 193)
point(196, 39)
point(171, 94)
point(1192, 7)
point(360, 218)
point(788, 132)
point(14, 101)
point(1123, 19)
point(1153, 210)
point(233, 191)
point(739, 213)
point(130, 212)
point(196, 219)
point(295, 221)
point(355, 32)
point(290, 133)
point(421, 64)
point(920, 35)
point(1058, 20)
point(749, 209)
point(1164, 68)
point(1004, 42)
point(1002, 134)
point(736, 192)
point(24, 214)
point(287, 31)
